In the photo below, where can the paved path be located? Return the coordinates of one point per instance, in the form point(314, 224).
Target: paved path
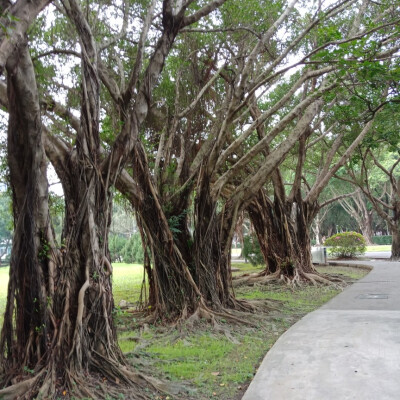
point(347, 349)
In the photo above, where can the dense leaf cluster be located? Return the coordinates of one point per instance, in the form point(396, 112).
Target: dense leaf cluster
point(346, 244)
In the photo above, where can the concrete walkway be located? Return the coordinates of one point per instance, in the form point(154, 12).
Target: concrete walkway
point(347, 349)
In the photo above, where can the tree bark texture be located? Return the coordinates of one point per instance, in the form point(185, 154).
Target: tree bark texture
point(283, 231)
point(30, 319)
point(62, 298)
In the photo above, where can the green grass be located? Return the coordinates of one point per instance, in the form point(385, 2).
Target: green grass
point(353, 273)
point(219, 366)
point(207, 363)
point(4, 271)
point(246, 268)
point(127, 282)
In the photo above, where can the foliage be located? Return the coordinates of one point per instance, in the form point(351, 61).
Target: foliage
point(57, 212)
point(252, 251)
point(116, 244)
point(132, 252)
point(346, 244)
point(384, 239)
point(337, 219)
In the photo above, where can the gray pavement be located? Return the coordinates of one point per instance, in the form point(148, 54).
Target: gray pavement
point(347, 349)
point(378, 254)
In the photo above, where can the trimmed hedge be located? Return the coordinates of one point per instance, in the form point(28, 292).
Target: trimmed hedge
point(387, 239)
point(346, 244)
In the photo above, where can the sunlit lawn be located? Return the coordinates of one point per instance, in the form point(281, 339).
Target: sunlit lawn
point(127, 281)
point(3, 291)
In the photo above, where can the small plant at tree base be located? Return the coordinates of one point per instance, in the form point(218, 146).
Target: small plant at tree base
point(346, 244)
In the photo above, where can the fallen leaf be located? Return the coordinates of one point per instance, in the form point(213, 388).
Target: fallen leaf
point(217, 373)
point(222, 384)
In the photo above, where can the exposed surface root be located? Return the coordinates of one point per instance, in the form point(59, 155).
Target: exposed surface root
point(20, 389)
point(119, 380)
point(297, 279)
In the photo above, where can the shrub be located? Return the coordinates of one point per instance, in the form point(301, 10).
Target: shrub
point(133, 250)
point(384, 239)
point(251, 250)
point(116, 243)
point(346, 244)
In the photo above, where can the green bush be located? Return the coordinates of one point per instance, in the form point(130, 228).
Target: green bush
point(116, 243)
point(346, 244)
point(133, 250)
point(387, 239)
point(251, 250)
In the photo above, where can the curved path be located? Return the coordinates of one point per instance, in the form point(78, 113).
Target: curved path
point(347, 349)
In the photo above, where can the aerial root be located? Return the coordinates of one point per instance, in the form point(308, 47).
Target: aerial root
point(297, 279)
point(111, 378)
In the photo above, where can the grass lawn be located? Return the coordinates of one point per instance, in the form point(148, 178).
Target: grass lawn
point(127, 282)
point(218, 362)
point(3, 291)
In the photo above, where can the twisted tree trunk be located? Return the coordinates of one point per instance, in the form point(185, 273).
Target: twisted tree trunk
point(61, 298)
point(283, 231)
point(212, 248)
point(394, 226)
point(25, 340)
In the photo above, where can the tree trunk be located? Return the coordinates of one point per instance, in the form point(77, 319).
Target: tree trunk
point(212, 248)
point(272, 231)
point(395, 232)
point(29, 322)
point(366, 227)
point(173, 291)
point(190, 275)
point(62, 300)
point(284, 236)
point(317, 230)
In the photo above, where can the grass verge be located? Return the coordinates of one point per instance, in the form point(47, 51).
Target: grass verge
point(204, 362)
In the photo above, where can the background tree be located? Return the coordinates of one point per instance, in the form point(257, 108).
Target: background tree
point(378, 179)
